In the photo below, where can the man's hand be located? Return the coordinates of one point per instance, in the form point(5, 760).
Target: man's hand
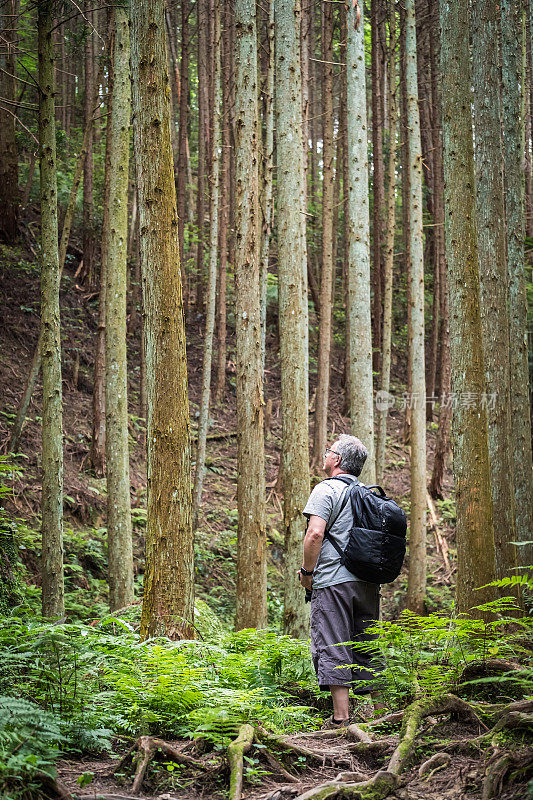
point(306, 580)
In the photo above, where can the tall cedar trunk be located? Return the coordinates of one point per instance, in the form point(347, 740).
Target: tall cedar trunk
point(181, 178)
point(211, 281)
point(474, 528)
point(312, 161)
point(52, 447)
point(326, 278)
point(35, 367)
point(115, 245)
point(98, 443)
point(358, 243)
point(406, 220)
point(378, 184)
point(168, 603)
point(427, 136)
point(443, 374)
point(224, 206)
point(266, 172)
point(519, 445)
point(389, 253)
point(493, 272)
point(416, 588)
point(8, 146)
point(293, 322)
point(345, 228)
point(203, 149)
point(251, 541)
point(89, 237)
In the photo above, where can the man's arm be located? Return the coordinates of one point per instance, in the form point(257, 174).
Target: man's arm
point(312, 544)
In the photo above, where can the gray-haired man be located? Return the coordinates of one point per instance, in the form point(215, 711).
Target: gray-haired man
point(342, 606)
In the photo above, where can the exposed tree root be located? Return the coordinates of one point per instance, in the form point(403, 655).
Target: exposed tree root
point(382, 783)
point(278, 767)
point(284, 743)
point(433, 764)
point(147, 747)
point(352, 732)
point(378, 748)
point(236, 751)
point(500, 765)
point(389, 719)
point(489, 666)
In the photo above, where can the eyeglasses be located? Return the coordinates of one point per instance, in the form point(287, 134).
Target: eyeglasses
point(329, 450)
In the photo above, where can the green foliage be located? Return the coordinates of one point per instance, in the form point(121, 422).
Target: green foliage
point(29, 745)
point(102, 677)
point(427, 655)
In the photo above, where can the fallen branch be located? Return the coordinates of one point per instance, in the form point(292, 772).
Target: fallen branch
point(147, 746)
point(236, 751)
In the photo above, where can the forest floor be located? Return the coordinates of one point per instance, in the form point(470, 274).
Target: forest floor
point(460, 776)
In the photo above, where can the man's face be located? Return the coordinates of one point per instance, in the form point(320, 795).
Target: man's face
point(332, 459)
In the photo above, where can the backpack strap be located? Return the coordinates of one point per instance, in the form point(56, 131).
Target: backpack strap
point(337, 510)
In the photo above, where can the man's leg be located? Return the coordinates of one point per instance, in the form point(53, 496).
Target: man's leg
point(341, 705)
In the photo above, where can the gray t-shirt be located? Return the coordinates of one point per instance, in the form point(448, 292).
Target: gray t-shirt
point(322, 501)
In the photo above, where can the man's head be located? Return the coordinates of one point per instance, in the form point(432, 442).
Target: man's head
point(347, 454)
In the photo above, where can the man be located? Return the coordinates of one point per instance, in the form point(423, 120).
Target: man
point(342, 606)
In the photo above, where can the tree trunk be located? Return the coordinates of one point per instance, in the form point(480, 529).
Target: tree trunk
point(519, 444)
point(181, 178)
point(406, 221)
point(168, 602)
point(326, 278)
point(378, 186)
point(203, 149)
point(474, 528)
point(416, 588)
point(35, 367)
point(358, 242)
point(293, 322)
point(251, 541)
point(211, 283)
point(8, 147)
point(266, 173)
point(89, 234)
point(389, 254)
point(52, 446)
point(115, 246)
point(493, 272)
point(224, 207)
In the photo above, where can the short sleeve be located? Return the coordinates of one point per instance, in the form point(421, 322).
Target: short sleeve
point(320, 503)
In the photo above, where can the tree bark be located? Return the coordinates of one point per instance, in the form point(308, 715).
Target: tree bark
point(326, 278)
point(9, 193)
point(89, 234)
point(474, 528)
point(490, 209)
point(168, 602)
point(293, 322)
point(224, 206)
point(52, 446)
point(386, 337)
point(115, 236)
point(378, 185)
point(358, 243)
point(251, 541)
point(181, 178)
point(203, 150)
point(266, 173)
point(211, 283)
point(519, 445)
point(416, 588)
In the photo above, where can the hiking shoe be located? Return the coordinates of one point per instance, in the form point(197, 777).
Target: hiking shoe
point(331, 724)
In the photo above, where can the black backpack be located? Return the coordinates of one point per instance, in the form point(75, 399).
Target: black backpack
point(376, 547)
